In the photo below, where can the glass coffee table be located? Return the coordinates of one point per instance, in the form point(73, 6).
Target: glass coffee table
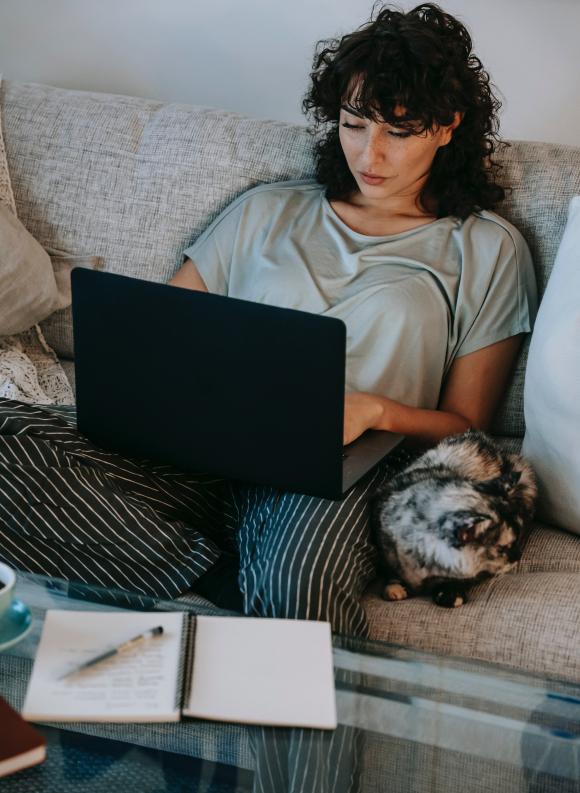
point(408, 722)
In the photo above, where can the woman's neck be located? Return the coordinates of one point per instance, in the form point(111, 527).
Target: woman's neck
point(377, 219)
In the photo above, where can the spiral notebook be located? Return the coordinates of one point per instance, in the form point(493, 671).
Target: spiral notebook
point(238, 669)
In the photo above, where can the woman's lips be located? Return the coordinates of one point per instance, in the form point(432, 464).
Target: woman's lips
point(372, 179)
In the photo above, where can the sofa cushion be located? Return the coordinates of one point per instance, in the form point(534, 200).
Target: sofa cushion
point(135, 181)
point(58, 326)
point(527, 619)
point(551, 405)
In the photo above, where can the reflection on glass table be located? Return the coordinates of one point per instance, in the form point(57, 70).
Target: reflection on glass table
point(408, 721)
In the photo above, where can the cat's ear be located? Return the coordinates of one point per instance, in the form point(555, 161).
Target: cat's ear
point(464, 525)
point(499, 485)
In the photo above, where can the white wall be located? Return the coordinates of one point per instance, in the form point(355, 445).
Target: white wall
point(253, 56)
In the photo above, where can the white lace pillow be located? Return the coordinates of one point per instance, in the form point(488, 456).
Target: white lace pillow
point(552, 386)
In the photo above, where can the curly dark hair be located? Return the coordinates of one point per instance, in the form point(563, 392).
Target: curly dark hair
point(420, 61)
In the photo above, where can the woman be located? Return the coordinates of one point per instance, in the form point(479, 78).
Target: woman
point(395, 237)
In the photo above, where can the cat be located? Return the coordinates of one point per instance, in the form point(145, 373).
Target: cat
point(456, 515)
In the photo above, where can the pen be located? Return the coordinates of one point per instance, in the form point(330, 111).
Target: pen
point(115, 650)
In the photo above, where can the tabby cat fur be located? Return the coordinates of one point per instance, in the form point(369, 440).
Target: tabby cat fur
point(457, 514)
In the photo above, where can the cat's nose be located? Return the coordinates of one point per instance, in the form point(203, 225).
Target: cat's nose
point(514, 554)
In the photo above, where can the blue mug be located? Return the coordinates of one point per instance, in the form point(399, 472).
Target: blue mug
point(7, 582)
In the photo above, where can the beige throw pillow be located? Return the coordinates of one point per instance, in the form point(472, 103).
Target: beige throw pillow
point(28, 288)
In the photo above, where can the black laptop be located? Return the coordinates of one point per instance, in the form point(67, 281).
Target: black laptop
point(216, 384)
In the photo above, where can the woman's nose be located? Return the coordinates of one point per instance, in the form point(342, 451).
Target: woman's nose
point(374, 149)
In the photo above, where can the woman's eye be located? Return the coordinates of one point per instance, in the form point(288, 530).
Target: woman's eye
point(392, 133)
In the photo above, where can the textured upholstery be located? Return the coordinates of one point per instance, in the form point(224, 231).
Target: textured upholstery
point(527, 619)
point(132, 181)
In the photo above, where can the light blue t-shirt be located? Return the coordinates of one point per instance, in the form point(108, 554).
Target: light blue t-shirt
point(412, 302)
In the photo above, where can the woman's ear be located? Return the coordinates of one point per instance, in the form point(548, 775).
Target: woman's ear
point(457, 119)
point(447, 132)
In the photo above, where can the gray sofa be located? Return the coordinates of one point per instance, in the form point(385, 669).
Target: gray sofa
point(134, 182)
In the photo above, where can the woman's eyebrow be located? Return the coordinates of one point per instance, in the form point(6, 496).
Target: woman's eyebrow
point(351, 111)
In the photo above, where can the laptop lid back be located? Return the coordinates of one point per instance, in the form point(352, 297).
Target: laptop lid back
point(209, 383)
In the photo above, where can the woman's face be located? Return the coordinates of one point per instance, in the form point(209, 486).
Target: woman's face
point(399, 160)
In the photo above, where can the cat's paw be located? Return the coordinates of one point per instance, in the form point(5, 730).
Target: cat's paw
point(449, 598)
point(395, 592)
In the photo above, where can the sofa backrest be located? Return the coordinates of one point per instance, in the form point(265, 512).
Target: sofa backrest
point(135, 181)
point(132, 181)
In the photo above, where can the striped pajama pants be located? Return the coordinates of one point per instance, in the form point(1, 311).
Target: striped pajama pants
point(72, 510)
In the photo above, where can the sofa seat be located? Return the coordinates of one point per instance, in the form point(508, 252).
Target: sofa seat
point(528, 619)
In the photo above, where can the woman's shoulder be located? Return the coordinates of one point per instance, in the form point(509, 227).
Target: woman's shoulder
point(279, 192)
point(497, 253)
point(264, 203)
point(489, 231)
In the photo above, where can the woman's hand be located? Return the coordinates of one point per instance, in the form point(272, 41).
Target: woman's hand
point(362, 411)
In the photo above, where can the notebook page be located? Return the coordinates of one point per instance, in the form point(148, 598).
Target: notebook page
point(140, 684)
point(263, 671)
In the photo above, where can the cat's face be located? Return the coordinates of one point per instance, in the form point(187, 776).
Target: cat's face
point(487, 533)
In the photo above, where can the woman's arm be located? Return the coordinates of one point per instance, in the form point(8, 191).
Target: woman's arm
point(476, 382)
point(188, 277)
point(469, 397)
